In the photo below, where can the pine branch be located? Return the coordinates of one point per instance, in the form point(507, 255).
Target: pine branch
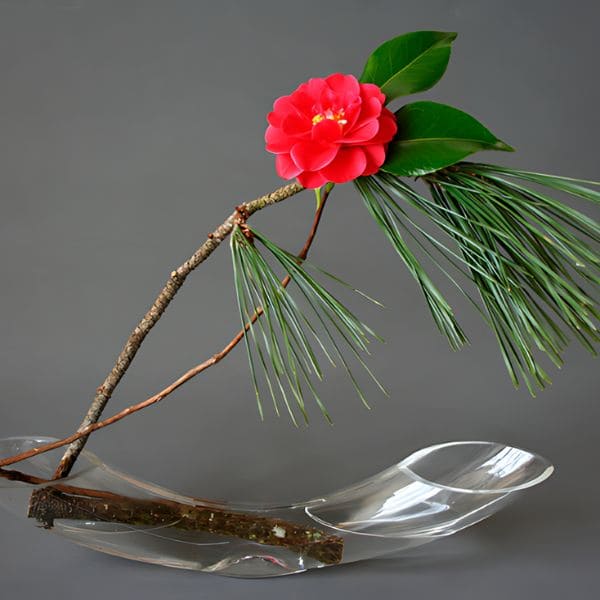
point(283, 351)
point(532, 259)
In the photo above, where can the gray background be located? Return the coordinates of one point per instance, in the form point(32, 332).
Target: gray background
point(127, 131)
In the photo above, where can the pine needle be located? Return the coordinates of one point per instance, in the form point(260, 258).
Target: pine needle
point(532, 259)
point(284, 345)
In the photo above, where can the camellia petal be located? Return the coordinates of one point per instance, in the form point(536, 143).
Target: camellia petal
point(363, 133)
point(343, 85)
point(286, 167)
point(327, 131)
point(312, 156)
point(370, 90)
point(387, 128)
point(303, 103)
point(352, 112)
point(327, 100)
point(274, 118)
point(349, 164)
point(284, 106)
point(371, 108)
point(305, 95)
point(296, 125)
point(375, 154)
point(277, 141)
point(312, 179)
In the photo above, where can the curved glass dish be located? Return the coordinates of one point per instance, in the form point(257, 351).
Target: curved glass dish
point(432, 493)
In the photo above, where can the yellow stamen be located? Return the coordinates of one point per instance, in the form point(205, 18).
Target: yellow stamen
point(338, 117)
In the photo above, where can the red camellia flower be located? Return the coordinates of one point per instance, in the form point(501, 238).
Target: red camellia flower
point(333, 129)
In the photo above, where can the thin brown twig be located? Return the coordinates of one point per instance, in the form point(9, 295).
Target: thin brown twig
point(214, 359)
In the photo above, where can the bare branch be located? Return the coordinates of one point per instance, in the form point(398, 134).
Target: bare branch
point(174, 283)
point(84, 431)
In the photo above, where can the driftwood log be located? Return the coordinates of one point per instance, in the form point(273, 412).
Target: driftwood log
point(65, 502)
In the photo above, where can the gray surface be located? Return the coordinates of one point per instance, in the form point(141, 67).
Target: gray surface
point(127, 131)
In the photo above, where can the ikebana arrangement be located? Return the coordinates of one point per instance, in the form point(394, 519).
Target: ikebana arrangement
point(526, 260)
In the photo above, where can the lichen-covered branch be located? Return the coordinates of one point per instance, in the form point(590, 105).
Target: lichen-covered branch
point(174, 283)
point(84, 432)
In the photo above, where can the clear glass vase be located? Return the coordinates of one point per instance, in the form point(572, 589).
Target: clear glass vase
point(432, 493)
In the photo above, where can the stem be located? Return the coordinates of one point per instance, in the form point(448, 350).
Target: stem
point(175, 281)
point(84, 432)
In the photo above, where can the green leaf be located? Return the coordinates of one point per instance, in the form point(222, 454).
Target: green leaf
point(432, 136)
point(409, 63)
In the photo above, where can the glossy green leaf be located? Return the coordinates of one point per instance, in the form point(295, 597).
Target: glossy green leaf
point(432, 136)
point(409, 63)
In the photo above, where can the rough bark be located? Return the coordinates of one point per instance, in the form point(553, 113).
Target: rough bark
point(49, 504)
